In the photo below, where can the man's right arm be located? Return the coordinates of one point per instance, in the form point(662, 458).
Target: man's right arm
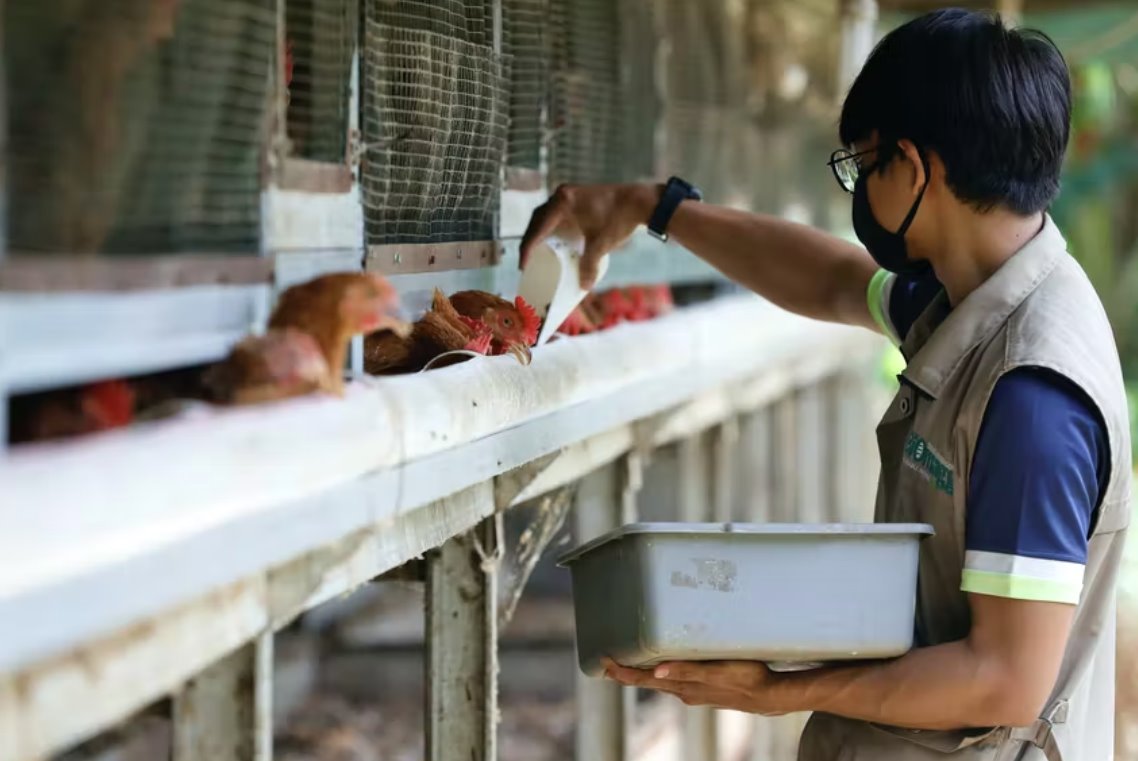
point(796, 267)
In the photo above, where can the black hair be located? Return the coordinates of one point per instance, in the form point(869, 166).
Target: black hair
point(994, 103)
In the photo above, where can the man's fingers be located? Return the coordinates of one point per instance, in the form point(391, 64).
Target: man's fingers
point(544, 222)
point(632, 677)
point(723, 673)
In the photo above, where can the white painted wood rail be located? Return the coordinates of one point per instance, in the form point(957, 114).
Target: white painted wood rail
point(134, 560)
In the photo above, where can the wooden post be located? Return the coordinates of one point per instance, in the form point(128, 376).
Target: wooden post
point(811, 466)
point(755, 487)
point(3, 176)
point(462, 646)
point(225, 713)
point(604, 709)
point(845, 435)
point(1011, 11)
point(3, 215)
point(784, 456)
point(725, 465)
point(790, 494)
point(858, 19)
point(700, 730)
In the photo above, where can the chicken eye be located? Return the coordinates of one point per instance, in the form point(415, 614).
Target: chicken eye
point(508, 322)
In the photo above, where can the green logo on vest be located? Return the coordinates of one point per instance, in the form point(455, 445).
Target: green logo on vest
point(920, 457)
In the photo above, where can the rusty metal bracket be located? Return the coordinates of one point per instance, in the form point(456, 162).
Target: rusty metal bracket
point(407, 258)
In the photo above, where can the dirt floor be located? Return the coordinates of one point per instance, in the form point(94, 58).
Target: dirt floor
point(332, 728)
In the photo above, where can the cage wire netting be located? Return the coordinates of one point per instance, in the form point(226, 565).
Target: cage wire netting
point(320, 40)
point(640, 97)
point(585, 102)
point(525, 41)
point(604, 100)
point(705, 113)
point(136, 126)
point(435, 120)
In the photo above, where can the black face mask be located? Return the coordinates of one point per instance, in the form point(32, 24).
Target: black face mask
point(887, 248)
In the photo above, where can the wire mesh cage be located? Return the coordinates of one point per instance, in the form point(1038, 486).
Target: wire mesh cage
point(641, 100)
point(136, 126)
point(706, 122)
point(465, 20)
point(435, 120)
point(585, 107)
point(320, 41)
point(605, 104)
point(525, 40)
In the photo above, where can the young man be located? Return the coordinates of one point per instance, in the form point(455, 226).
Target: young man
point(1009, 433)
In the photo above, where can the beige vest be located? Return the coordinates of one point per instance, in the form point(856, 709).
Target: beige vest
point(1037, 310)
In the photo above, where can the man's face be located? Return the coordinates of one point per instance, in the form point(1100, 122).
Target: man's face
point(894, 186)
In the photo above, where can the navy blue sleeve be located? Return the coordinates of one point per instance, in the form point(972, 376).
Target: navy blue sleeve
point(1038, 473)
point(908, 297)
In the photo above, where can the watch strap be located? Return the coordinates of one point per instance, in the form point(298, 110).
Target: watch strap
point(676, 191)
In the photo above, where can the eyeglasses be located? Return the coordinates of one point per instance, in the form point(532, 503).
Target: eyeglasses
point(847, 167)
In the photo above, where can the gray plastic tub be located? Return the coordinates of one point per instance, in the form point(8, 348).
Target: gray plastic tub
point(785, 594)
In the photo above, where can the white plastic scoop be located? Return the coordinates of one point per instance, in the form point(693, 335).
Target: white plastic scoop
point(551, 283)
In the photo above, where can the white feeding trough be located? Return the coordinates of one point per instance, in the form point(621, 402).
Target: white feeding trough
point(551, 283)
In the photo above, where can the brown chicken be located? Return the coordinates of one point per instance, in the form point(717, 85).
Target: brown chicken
point(469, 321)
point(278, 365)
point(61, 413)
point(306, 346)
point(515, 325)
point(439, 331)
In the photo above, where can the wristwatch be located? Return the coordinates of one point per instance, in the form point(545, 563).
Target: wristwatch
point(675, 192)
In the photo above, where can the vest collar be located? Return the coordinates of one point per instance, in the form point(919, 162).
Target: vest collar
point(942, 336)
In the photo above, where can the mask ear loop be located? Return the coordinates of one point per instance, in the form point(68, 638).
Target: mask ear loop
point(917, 203)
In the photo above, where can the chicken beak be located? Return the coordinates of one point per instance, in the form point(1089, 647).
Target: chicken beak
point(521, 352)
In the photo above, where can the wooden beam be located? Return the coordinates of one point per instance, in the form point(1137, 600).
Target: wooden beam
point(63, 701)
point(462, 641)
point(60, 339)
point(341, 493)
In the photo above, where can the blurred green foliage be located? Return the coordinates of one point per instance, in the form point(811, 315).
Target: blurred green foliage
point(1098, 207)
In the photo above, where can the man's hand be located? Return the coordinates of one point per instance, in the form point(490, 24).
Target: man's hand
point(798, 268)
point(731, 685)
point(603, 216)
point(999, 675)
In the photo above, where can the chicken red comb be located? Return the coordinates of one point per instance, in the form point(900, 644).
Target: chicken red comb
point(531, 323)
